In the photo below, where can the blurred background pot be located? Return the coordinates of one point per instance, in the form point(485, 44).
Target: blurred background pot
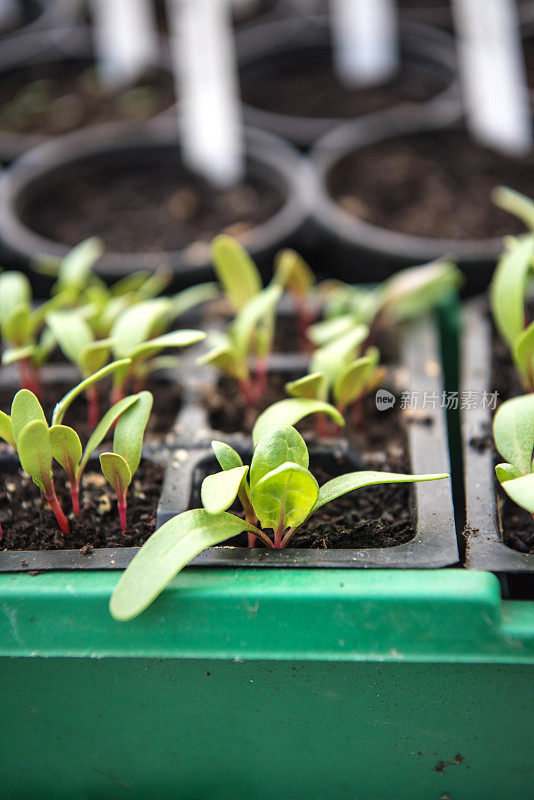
point(49, 86)
point(288, 87)
point(401, 191)
point(128, 185)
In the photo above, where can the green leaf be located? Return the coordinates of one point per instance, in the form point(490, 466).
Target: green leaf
point(332, 357)
point(219, 491)
point(521, 491)
point(172, 339)
point(167, 551)
point(289, 412)
point(311, 387)
point(285, 494)
point(25, 408)
point(515, 203)
point(103, 427)
point(15, 291)
point(513, 431)
point(414, 291)
point(61, 408)
point(328, 329)
point(224, 357)
point(13, 354)
point(74, 269)
point(276, 448)
point(136, 324)
point(255, 313)
point(95, 356)
point(523, 355)
point(293, 273)
point(193, 296)
point(353, 380)
point(128, 438)
point(72, 333)
point(508, 289)
point(66, 448)
point(235, 270)
point(357, 480)
point(17, 327)
point(226, 455)
point(116, 471)
point(6, 429)
point(506, 472)
point(35, 452)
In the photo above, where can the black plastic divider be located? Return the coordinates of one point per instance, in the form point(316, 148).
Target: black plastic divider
point(485, 548)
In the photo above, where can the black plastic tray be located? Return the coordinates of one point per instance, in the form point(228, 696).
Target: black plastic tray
point(485, 548)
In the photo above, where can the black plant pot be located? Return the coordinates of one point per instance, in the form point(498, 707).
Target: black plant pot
point(366, 251)
point(485, 547)
point(282, 48)
point(53, 49)
point(271, 162)
point(34, 16)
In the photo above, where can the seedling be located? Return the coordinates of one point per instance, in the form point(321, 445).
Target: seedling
point(408, 294)
point(120, 466)
point(296, 277)
point(278, 494)
point(250, 335)
point(338, 370)
point(513, 431)
point(36, 444)
point(138, 335)
point(510, 286)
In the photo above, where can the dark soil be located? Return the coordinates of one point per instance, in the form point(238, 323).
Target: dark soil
point(148, 207)
point(378, 516)
point(517, 527)
point(28, 523)
point(301, 83)
point(437, 185)
point(62, 96)
point(381, 430)
point(167, 401)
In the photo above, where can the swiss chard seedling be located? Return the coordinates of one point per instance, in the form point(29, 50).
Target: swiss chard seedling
point(37, 444)
point(510, 287)
point(513, 431)
point(278, 494)
point(339, 371)
point(120, 465)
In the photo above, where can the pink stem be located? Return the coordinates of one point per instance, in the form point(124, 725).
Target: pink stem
point(29, 377)
point(247, 392)
point(305, 317)
point(92, 407)
point(50, 495)
point(75, 494)
point(251, 540)
point(278, 535)
point(321, 426)
point(117, 393)
point(261, 378)
point(121, 504)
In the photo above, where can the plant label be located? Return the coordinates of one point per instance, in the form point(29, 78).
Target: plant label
point(365, 40)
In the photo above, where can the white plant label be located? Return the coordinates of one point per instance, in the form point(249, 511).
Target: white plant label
point(493, 74)
point(365, 40)
point(206, 74)
point(126, 41)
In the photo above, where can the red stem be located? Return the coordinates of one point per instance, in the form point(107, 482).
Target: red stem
point(247, 392)
point(50, 495)
point(321, 426)
point(261, 377)
point(117, 393)
point(121, 504)
point(75, 494)
point(305, 317)
point(29, 377)
point(277, 544)
point(92, 407)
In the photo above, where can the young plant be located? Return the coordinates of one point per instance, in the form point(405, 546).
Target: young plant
point(36, 444)
point(278, 494)
point(513, 431)
point(241, 280)
point(120, 466)
point(338, 370)
point(509, 290)
point(408, 294)
point(249, 336)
